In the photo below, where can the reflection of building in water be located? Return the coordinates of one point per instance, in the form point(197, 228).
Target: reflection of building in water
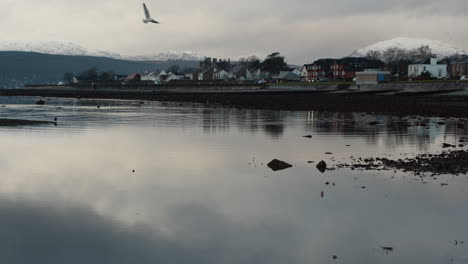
point(390, 130)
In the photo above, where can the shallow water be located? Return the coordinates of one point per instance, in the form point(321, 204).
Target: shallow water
point(201, 191)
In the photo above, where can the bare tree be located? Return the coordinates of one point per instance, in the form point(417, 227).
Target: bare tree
point(374, 55)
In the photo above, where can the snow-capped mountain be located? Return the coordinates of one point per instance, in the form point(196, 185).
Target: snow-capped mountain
point(165, 56)
point(68, 48)
point(54, 47)
point(438, 48)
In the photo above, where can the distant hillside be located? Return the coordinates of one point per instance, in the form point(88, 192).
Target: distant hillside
point(20, 68)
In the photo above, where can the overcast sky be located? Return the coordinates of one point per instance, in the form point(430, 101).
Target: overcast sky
point(302, 30)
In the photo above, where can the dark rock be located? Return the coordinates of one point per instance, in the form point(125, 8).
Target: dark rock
point(277, 165)
point(334, 257)
point(308, 136)
point(40, 102)
point(373, 123)
point(322, 166)
point(445, 145)
point(387, 248)
point(461, 145)
point(21, 122)
point(328, 153)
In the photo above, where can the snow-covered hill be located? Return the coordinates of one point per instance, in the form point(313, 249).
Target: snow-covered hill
point(68, 48)
point(438, 48)
point(54, 47)
point(165, 56)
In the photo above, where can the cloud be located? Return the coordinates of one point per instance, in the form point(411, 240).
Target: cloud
point(299, 29)
point(51, 233)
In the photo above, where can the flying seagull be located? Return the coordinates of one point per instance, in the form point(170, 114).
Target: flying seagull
point(147, 16)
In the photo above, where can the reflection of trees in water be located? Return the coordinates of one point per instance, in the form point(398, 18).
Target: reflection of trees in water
point(273, 123)
point(215, 120)
point(247, 120)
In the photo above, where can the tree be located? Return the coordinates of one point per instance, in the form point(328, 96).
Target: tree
point(107, 76)
point(420, 53)
point(68, 77)
point(188, 70)
point(274, 63)
point(252, 63)
point(89, 74)
point(175, 69)
point(374, 55)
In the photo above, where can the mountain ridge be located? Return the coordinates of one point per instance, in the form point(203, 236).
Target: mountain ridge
point(72, 49)
point(439, 48)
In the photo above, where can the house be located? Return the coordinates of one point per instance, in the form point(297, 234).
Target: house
point(372, 77)
point(239, 72)
point(337, 69)
point(133, 78)
point(206, 74)
point(459, 68)
point(260, 76)
point(319, 69)
point(346, 68)
point(303, 74)
point(428, 65)
point(221, 74)
point(286, 76)
point(174, 77)
point(152, 76)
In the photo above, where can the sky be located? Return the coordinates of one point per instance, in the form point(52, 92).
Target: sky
point(301, 30)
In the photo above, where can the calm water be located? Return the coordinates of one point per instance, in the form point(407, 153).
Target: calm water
point(201, 191)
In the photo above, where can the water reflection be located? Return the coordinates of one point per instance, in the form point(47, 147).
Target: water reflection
point(201, 192)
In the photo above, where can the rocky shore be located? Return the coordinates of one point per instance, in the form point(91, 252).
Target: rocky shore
point(453, 162)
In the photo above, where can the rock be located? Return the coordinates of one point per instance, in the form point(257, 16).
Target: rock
point(445, 145)
point(40, 102)
point(322, 166)
point(387, 249)
point(277, 165)
point(334, 257)
point(308, 136)
point(461, 145)
point(373, 123)
point(328, 153)
point(310, 161)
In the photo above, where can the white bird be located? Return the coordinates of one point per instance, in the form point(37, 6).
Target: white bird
point(147, 16)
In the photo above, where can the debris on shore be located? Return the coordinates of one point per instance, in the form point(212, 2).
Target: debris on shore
point(447, 162)
point(277, 165)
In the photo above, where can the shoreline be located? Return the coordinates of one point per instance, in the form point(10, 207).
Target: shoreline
point(442, 105)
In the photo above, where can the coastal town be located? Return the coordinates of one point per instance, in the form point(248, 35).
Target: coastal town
point(392, 65)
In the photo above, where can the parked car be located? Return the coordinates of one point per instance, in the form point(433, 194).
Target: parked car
point(464, 78)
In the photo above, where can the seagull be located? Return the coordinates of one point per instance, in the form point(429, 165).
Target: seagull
point(147, 16)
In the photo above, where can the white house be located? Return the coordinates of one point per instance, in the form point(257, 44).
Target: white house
point(152, 76)
point(428, 65)
point(221, 75)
